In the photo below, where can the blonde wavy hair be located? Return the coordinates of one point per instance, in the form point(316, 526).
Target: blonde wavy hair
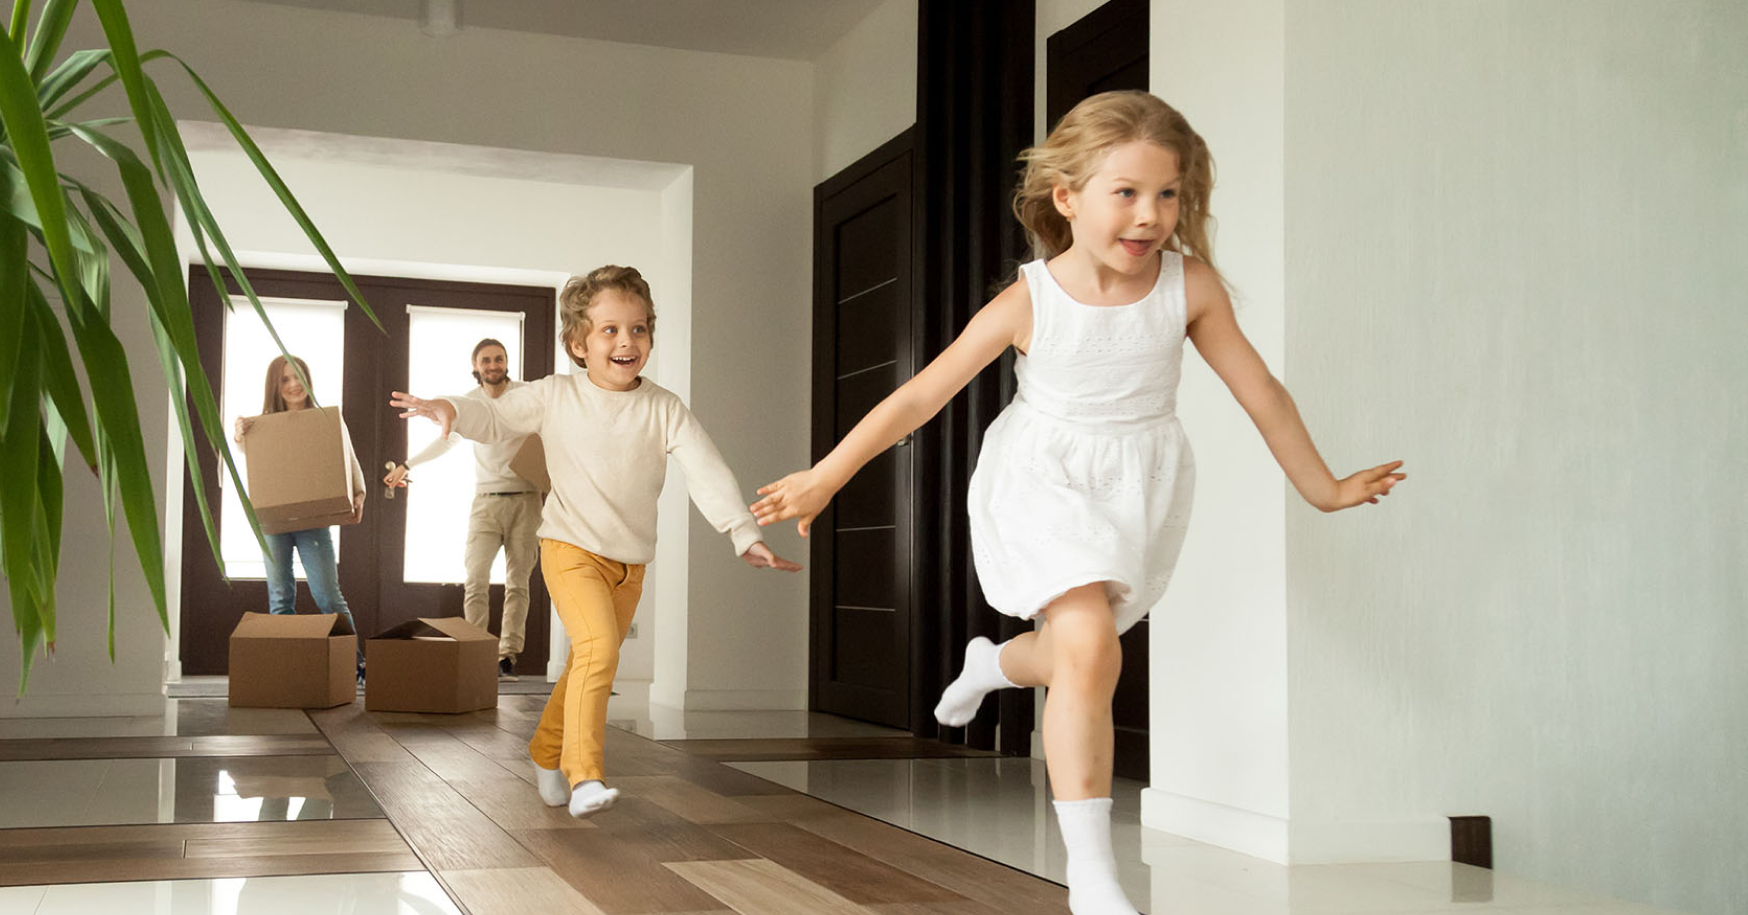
point(579, 294)
point(1078, 145)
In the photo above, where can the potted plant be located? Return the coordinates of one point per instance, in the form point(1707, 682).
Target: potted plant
point(58, 239)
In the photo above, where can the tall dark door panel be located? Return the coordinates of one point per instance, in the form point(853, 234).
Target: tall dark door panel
point(861, 550)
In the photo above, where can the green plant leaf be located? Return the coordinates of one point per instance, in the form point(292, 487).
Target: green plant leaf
point(20, 15)
point(273, 180)
point(14, 247)
point(51, 28)
point(28, 135)
point(150, 253)
point(112, 394)
point(59, 379)
point(18, 499)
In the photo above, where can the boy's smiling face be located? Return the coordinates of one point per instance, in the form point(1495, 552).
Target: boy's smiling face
point(618, 344)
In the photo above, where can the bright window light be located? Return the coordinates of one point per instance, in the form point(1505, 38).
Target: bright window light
point(314, 330)
point(440, 493)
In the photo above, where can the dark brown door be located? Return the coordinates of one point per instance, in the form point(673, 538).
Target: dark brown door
point(371, 554)
point(861, 550)
point(1107, 50)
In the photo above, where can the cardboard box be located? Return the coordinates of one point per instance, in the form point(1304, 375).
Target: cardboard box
point(530, 463)
point(300, 470)
point(293, 660)
point(432, 664)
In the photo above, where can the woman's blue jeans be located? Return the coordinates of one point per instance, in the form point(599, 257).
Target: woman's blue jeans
point(316, 547)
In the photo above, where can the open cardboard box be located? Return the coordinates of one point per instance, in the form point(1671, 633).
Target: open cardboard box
point(530, 463)
point(432, 664)
point(293, 660)
point(300, 470)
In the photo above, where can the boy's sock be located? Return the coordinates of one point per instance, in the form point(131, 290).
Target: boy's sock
point(555, 789)
point(982, 673)
point(1092, 869)
point(591, 797)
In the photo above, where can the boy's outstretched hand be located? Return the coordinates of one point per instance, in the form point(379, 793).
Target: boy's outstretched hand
point(799, 495)
point(441, 412)
point(759, 556)
point(1367, 486)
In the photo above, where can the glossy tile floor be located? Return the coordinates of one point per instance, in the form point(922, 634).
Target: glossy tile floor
point(999, 808)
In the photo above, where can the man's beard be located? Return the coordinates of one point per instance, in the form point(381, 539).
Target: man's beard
point(493, 377)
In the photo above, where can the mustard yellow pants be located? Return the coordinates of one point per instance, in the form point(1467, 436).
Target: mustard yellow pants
point(595, 598)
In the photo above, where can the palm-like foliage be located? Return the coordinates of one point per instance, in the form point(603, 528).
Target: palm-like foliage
point(57, 237)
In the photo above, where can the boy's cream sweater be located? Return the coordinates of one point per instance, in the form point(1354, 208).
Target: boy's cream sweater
point(607, 453)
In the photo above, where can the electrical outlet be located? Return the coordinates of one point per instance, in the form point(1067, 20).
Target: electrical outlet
point(632, 632)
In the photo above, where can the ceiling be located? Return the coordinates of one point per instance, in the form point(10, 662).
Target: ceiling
point(793, 29)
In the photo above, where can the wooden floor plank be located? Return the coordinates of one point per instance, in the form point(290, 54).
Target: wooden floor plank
point(966, 874)
point(695, 803)
point(437, 821)
point(800, 748)
point(516, 891)
point(356, 737)
point(615, 874)
point(759, 887)
point(515, 804)
point(163, 747)
point(852, 875)
point(186, 832)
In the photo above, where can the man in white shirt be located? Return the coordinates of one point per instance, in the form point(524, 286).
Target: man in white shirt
point(506, 514)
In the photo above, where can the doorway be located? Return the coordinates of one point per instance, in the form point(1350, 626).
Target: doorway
point(388, 574)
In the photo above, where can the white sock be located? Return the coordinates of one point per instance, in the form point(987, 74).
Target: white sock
point(591, 797)
point(555, 789)
point(982, 673)
point(1092, 869)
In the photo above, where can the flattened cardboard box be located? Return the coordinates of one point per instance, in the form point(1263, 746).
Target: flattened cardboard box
point(432, 664)
point(300, 470)
point(530, 463)
point(293, 660)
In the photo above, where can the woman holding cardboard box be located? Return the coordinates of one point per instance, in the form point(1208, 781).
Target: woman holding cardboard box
point(286, 393)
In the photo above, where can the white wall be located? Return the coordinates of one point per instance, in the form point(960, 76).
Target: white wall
point(743, 125)
point(1218, 687)
point(865, 87)
point(1515, 237)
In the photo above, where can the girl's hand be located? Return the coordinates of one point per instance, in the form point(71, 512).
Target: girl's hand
point(357, 508)
point(1367, 486)
point(799, 495)
point(441, 412)
point(759, 556)
point(243, 424)
point(396, 477)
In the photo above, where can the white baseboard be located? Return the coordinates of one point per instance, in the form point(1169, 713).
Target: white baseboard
point(724, 700)
point(1285, 841)
point(1246, 831)
point(126, 705)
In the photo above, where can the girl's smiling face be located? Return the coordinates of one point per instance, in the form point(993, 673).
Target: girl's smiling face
point(618, 343)
point(1127, 209)
point(291, 390)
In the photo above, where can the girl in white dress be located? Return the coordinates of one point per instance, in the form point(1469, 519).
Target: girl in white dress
point(1082, 493)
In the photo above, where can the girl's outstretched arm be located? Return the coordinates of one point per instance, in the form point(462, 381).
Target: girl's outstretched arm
point(1214, 330)
point(1005, 321)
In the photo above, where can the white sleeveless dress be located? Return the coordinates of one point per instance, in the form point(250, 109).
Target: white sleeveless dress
point(1087, 476)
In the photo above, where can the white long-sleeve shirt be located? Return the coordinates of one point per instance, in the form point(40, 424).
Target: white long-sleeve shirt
point(491, 460)
point(607, 453)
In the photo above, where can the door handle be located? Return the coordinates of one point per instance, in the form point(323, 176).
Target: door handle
point(905, 441)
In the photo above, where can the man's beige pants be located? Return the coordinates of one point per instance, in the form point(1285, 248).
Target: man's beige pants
point(507, 522)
